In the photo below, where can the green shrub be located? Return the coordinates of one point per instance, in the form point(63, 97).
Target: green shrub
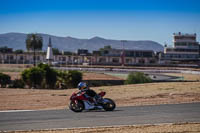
point(46, 77)
point(4, 80)
point(137, 77)
point(50, 75)
point(69, 79)
point(61, 81)
point(74, 77)
point(25, 77)
point(33, 77)
point(17, 83)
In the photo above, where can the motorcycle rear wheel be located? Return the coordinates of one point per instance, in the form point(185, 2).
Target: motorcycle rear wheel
point(109, 105)
point(76, 107)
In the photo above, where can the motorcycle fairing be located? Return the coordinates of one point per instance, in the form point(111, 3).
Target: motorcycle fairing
point(89, 106)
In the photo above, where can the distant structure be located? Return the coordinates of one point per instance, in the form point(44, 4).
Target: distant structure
point(185, 49)
point(49, 56)
point(184, 52)
point(124, 57)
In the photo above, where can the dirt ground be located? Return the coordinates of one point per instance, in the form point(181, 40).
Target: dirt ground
point(124, 95)
point(162, 128)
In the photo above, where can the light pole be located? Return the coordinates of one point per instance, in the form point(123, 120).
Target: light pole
point(123, 52)
point(34, 55)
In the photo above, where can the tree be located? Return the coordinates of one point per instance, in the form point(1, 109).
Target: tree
point(105, 49)
point(67, 53)
point(19, 51)
point(34, 42)
point(55, 51)
point(5, 49)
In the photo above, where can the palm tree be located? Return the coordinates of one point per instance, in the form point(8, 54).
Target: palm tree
point(34, 42)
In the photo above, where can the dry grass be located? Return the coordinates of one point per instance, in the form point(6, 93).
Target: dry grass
point(163, 128)
point(13, 67)
point(124, 95)
point(154, 93)
point(14, 75)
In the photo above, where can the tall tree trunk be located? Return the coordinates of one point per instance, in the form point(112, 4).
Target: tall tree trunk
point(34, 56)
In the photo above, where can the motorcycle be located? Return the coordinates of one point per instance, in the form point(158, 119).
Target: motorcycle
point(79, 102)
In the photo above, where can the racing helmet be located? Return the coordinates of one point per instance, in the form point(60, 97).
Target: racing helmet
point(82, 85)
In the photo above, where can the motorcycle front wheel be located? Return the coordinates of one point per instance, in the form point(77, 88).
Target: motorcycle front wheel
point(76, 107)
point(108, 104)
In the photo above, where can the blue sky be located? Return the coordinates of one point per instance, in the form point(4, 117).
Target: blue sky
point(153, 20)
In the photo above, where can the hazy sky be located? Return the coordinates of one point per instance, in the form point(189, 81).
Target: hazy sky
point(153, 20)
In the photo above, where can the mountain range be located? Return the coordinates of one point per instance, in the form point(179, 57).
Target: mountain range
point(17, 41)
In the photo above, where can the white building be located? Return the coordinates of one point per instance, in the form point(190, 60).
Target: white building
point(185, 48)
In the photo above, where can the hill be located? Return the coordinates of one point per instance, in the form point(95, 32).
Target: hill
point(17, 41)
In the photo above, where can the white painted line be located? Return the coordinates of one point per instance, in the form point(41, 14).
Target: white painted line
point(2, 111)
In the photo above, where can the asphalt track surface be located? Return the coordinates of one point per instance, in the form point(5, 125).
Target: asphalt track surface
point(51, 119)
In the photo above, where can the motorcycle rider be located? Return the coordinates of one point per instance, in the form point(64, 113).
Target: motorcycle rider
point(89, 93)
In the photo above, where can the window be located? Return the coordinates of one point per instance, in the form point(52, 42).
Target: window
point(138, 54)
point(115, 60)
point(21, 57)
point(147, 54)
point(141, 61)
point(38, 58)
point(102, 60)
point(63, 58)
point(10, 57)
point(128, 61)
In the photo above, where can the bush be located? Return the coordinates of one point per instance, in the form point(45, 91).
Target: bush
point(17, 83)
point(4, 80)
point(69, 79)
point(136, 78)
point(33, 77)
point(74, 77)
point(50, 75)
point(25, 77)
point(61, 81)
point(46, 77)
